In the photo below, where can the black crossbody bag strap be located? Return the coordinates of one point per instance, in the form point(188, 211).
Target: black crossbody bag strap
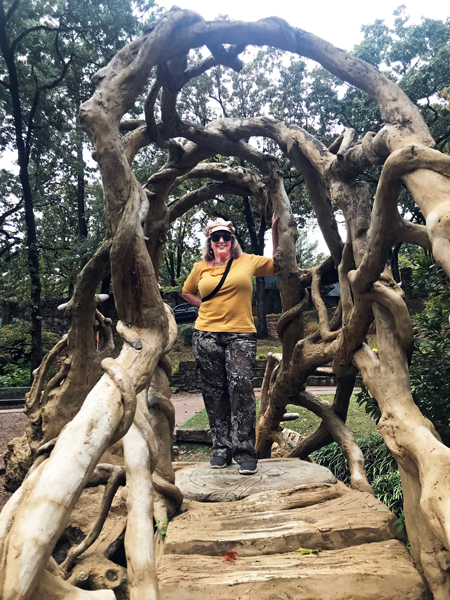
point(221, 282)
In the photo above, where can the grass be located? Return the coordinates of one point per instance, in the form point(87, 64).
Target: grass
point(194, 452)
point(358, 422)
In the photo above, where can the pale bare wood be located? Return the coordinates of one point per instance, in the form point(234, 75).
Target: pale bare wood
point(139, 545)
point(51, 587)
point(137, 221)
point(348, 520)
point(337, 574)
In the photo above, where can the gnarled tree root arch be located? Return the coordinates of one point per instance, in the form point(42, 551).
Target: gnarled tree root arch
point(130, 400)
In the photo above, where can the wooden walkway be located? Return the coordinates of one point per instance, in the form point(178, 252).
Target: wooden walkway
point(357, 554)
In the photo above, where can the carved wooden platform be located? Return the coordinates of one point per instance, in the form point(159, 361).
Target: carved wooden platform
point(225, 485)
point(379, 571)
point(358, 555)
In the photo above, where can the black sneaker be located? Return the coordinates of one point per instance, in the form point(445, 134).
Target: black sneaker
point(218, 462)
point(248, 467)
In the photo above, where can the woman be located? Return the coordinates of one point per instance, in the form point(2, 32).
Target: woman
point(224, 341)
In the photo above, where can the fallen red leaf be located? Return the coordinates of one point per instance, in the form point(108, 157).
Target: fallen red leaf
point(230, 556)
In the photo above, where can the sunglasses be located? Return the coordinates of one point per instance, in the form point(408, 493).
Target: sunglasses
point(225, 235)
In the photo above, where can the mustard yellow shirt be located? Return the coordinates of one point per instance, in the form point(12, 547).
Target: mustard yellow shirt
point(230, 309)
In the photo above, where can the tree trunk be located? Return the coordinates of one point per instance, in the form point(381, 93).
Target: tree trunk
point(393, 262)
point(33, 268)
point(261, 326)
point(23, 160)
point(80, 167)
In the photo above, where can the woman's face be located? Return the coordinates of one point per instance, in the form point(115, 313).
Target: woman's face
point(219, 244)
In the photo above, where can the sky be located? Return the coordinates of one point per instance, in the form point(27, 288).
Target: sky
point(338, 22)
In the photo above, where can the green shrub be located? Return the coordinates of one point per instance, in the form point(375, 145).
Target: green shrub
point(365, 399)
point(331, 457)
point(15, 342)
point(378, 460)
point(186, 335)
point(15, 375)
point(388, 489)
point(15, 352)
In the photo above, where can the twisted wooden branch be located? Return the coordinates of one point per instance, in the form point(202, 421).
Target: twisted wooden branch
point(348, 140)
point(108, 343)
point(290, 314)
point(56, 380)
point(167, 489)
point(385, 221)
point(33, 397)
point(115, 480)
point(326, 334)
point(266, 409)
point(125, 385)
point(343, 436)
point(322, 437)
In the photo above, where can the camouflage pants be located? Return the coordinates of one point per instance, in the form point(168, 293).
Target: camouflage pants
point(226, 363)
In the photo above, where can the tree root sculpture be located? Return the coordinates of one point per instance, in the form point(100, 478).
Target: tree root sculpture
point(86, 411)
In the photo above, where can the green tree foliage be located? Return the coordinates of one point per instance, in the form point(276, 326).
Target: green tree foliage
point(181, 250)
point(15, 352)
point(417, 58)
point(430, 366)
point(48, 53)
point(61, 44)
point(307, 250)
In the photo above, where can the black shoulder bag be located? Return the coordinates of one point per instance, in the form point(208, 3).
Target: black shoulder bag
point(220, 284)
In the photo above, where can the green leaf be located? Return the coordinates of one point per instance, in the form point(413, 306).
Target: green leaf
point(163, 531)
point(308, 550)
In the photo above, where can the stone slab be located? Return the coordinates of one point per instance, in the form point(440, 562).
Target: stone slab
point(298, 496)
point(377, 571)
point(349, 520)
point(225, 485)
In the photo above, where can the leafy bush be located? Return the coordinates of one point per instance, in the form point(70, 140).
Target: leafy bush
point(430, 365)
point(15, 342)
point(378, 459)
point(186, 335)
point(365, 399)
point(388, 489)
point(15, 352)
point(15, 375)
